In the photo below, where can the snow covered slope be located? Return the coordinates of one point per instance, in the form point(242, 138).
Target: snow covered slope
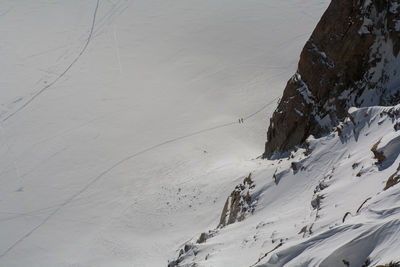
point(322, 206)
point(331, 201)
point(109, 151)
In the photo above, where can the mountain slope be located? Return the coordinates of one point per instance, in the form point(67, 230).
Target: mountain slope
point(328, 196)
point(320, 206)
point(351, 60)
point(103, 168)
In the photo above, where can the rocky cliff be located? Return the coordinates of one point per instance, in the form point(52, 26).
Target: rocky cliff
point(351, 59)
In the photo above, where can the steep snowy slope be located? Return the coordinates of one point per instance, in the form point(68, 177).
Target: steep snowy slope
point(334, 201)
point(331, 200)
point(96, 97)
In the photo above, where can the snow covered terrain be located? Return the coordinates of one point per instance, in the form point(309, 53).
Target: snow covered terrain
point(320, 206)
point(119, 133)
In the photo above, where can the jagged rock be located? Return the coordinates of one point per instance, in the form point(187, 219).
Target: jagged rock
point(202, 238)
point(345, 216)
point(239, 203)
point(294, 166)
point(379, 155)
point(321, 186)
point(393, 179)
point(350, 60)
point(188, 247)
point(316, 202)
point(189, 251)
point(365, 201)
point(396, 127)
point(304, 231)
point(173, 263)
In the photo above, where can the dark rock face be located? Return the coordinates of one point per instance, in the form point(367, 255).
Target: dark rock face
point(351, 59)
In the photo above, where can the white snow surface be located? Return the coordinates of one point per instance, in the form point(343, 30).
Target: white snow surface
point(120, 139)
point(342, 170)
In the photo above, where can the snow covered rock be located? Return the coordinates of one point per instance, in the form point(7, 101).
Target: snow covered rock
point(335, 201)
point(337, 208)
point(239, 203)
point(351, 60)
point(393, 179)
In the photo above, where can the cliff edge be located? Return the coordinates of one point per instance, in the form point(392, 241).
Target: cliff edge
point(351, 60)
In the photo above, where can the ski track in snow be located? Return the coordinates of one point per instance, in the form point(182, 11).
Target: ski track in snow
point(6, 12)
point(51, 210)
point(119, 163)
point(41, 91)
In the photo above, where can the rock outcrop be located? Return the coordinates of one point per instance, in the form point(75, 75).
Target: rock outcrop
point(351, 59)
point(393, 179)
point(239, 203)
